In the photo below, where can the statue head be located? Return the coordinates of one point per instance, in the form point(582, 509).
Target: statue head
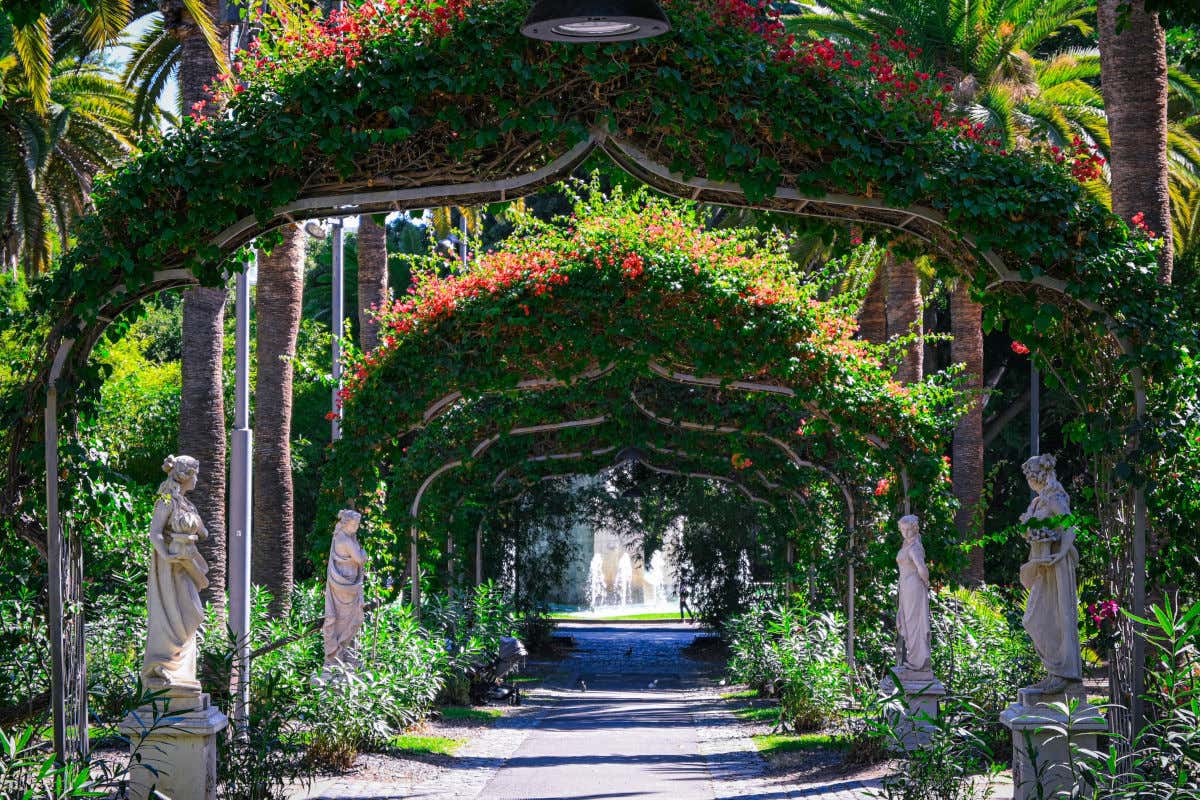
point(1039, 471)
point(348, 521)
point(182, 470)
point(910, 527)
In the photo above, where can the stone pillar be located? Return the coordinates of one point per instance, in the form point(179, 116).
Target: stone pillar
point(921, 699)
point(1043, 737)
point(175, 749)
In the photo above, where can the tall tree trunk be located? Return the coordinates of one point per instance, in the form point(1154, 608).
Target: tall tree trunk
point(904, 315)
point(1133, 77)
point(966, 470)
point(202, 401)
point(372, 278)
point(872, 317)
point(277, 305)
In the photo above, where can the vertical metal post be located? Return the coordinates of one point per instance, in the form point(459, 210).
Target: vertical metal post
point(466, 231)
point(54, 553)
point(1141, 523)
point(240, 489)
point(791, 561)
point(479, 555)
point(414, 573)
point(1035, 411)
point(337, 321)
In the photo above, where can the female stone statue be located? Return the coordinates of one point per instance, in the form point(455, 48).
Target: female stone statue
point(1051, 612)
point(178, 573)
point(912, 618)
point(344, 590)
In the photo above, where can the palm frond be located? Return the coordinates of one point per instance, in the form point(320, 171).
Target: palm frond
point(32, 43)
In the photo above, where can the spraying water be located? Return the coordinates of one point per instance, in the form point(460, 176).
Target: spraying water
point(624, 584)
point(597, 588)
point(745, 573)
point(656, 578)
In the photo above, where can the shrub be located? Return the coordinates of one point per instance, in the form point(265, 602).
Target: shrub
point(796, 655)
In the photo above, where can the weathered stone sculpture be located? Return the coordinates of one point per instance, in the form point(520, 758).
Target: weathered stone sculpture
point(177, 757)
point(1052, 609)
point(921, 691)
point(912, 618)
point(1041, 754)
point(344, 591)
point(178, 573)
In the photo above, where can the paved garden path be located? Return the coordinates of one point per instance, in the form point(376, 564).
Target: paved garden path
point(650, 726)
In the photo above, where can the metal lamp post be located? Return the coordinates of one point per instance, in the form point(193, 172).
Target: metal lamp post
point(240, 503)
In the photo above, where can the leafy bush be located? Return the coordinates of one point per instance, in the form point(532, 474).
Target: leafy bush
point(948, 766)
point(797, 655)
point(982, 653)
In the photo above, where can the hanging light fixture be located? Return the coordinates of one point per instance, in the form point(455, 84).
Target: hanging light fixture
point(595, 20)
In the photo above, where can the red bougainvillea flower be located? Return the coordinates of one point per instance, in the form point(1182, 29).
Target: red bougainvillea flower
point(1139, 222)
point(1020, 349)
point(740, 461)
point(882, 487)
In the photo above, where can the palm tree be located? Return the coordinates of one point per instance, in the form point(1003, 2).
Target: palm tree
point(372, 278)
point(966, 465)
point(28, 26)
point(904, 310)
point(51, 151)
point(1135, 83)
point(202, 395)
point(277, 305)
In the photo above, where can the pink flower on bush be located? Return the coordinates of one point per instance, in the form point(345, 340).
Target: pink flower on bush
point(1020, 349)
point(1103, 611)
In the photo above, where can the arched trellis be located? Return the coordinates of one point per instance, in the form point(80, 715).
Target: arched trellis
point(110, 245)
point(595, 460)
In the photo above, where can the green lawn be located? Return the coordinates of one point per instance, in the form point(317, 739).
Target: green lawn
point(428, 745)
point(660, 616)
point(770, 743)
point(475, 714)
point(759, 713)
point(744, 694)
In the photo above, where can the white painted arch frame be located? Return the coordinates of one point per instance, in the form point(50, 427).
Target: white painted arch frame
point(632, 159)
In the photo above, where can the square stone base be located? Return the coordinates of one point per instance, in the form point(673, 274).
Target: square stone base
point(175, 754)
point(922, 696)
point(1041, 751)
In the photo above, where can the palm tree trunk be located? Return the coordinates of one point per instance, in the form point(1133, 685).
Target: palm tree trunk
point(904, 315)
point(372, 278)
point(1133, 71)
point(966, 470)
point(277, 305)
point(872, 317)
point(202, 401)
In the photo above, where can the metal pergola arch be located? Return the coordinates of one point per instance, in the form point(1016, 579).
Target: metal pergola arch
point(72, 339)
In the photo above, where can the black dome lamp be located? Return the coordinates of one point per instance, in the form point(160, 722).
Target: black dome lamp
point(594, 20)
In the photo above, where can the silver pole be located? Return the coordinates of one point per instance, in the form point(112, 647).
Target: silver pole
point(337, 321)
point(462, 246)
point(1035, 411)
point(54, 554)
point(240, 486)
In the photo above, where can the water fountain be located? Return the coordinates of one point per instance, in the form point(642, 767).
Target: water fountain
point(656, 578)
point(624, 582)
point(597, 588)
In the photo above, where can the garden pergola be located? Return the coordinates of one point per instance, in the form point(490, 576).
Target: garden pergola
point(461, 110)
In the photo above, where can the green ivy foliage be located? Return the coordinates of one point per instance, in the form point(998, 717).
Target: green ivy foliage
point(600, 306)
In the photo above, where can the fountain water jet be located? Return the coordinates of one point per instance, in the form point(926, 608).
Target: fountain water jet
point(597, 588)
point(624, 582)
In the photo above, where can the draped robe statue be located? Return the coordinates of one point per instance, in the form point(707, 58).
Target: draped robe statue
point(178, 573)
point(912, 615)
point(1052, 609)
point(344, 591)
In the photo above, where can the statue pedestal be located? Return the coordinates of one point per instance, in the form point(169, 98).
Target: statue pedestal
point(1041, 751)
point(922, 696)
point(177, 752)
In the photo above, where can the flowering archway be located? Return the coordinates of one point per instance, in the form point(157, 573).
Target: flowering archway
point(408, 104)
point(631, 331)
